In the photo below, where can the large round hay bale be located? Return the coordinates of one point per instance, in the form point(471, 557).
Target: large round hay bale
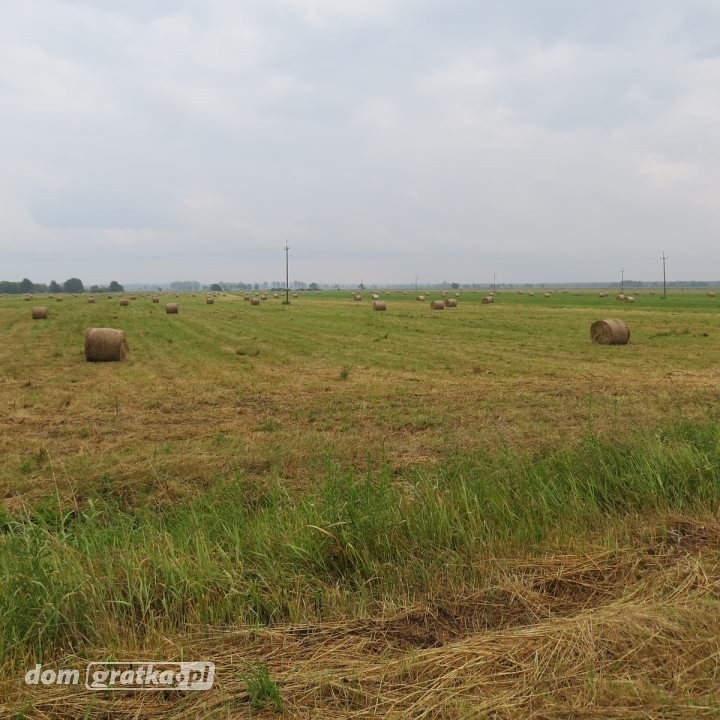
point(621, 297)
point(255, 301)
point(451, 302)
point(105, 345)
point(379, 305)
point(263, 297)
point(171, 308)
point(39, 313)
point(124, 302)
point(91, 300)
point(420, 298)
point(155, 299)
point(547, 294)
point(488, 300)
point(609, 332)
point(295, 295)
point(437, 305)
point(209, 301)
point(58, 299)
point(28, 298)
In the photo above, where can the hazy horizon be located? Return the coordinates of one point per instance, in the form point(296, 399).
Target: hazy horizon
point(382, 139)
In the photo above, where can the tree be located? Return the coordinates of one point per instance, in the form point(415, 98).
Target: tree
point(54, 287)
point(116, 287)
point(216, 288)
point(313, 286)
point(74, 285)
point(26, 286)
point(454, 285)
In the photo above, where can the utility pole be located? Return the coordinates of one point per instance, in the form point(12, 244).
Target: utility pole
point(622, 281)
point(287, 274)
point(493, 283)
point(664, 257)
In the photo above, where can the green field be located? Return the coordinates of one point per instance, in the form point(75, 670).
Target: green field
point(472, 512)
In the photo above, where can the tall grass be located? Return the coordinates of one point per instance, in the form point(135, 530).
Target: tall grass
point(92, 576)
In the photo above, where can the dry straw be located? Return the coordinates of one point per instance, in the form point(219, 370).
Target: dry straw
point(91, 300)
point(171, 308)
point(210, 301)
point(39, 313)
point(254, 301)
point(105, 345)
point(451, 302)
point(58, 299)
point(420, 298)
point(488, 300)
point(379, 305)
point(437, 305)
point(155, 299)
point(609, 332)
point(124, 302)
point(28, 298)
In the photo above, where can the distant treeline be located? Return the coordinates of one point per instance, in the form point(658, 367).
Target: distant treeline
point(71, 285)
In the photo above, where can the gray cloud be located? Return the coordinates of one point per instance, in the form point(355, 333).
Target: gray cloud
point(383, 139)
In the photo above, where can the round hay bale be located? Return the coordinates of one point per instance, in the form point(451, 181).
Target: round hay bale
point(124, 302)
point(39, 313)
point(295, 295)
point(263, 297)
point(105, 345)
point(488, 300)
point(420, 298)
point(630, 299)
point(209, 301)
point(247, 297)
point(91, 300)
point(171, 308)
point(375, 296)
point(547, 294)
point(109, 297)
point(379, 305)
point(133, 297)
point(609, 332)
point(451, 302)
point(28, 298)
point(155, 299)
point(276, 296)
point(621, 297)
point(711, 294)
point(437, 305)
point(357, 297)
point(58, 299)
point(254, 301)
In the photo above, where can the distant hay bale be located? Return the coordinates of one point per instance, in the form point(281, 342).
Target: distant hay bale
point(295, 295)
point(531, 294)
point(155, 299)
point(437, 304)
point(105, 345)
point(132, 297)
point(379, 305)
point(254, 301)
point(275, 295)
point(91, 300)
point(209, 301)
point(547, 294)
point(630, 299)
point(609, 332)
point(711, 294)
point(39, 313)
point(652, 292)
point(357, 297)
point(263, 297)
point(109, 297)
point(246, 297)
point(488, 300)
point(375, 296)
point(58, 299)
point(171, 308)
point(28, 298)
point(621, 297)
point(124, 302)
point(420, 298)
point(451, 302)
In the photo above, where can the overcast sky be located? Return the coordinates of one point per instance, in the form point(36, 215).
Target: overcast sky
point(545, 140)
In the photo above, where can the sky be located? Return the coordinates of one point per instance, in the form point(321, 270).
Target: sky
point(384, 140)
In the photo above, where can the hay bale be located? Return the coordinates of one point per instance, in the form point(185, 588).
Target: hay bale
point(28, 298)
point(105, 345)
point(630, 299)
point(109, 297)
point(91, 300)
point(124, 302)
point(58, 299)
point(276, 296)
point(375, 296)
point(254, 301)
point(711, 294)
point(357, 297)
point(295, 295)
point(379, 305)
point(420, 298)
point(155, 299)
point(621, 297)
point(488, 300)
point(263, 297)
point(247, 297)
point(547, 294)
point(451, 302)
point(437, 305)
point(609, 332)
point(171, 308)
point(132, 297)
point(209, 301)
point(39, 313)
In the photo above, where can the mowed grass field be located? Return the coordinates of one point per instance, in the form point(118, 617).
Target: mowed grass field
point(472, 512)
